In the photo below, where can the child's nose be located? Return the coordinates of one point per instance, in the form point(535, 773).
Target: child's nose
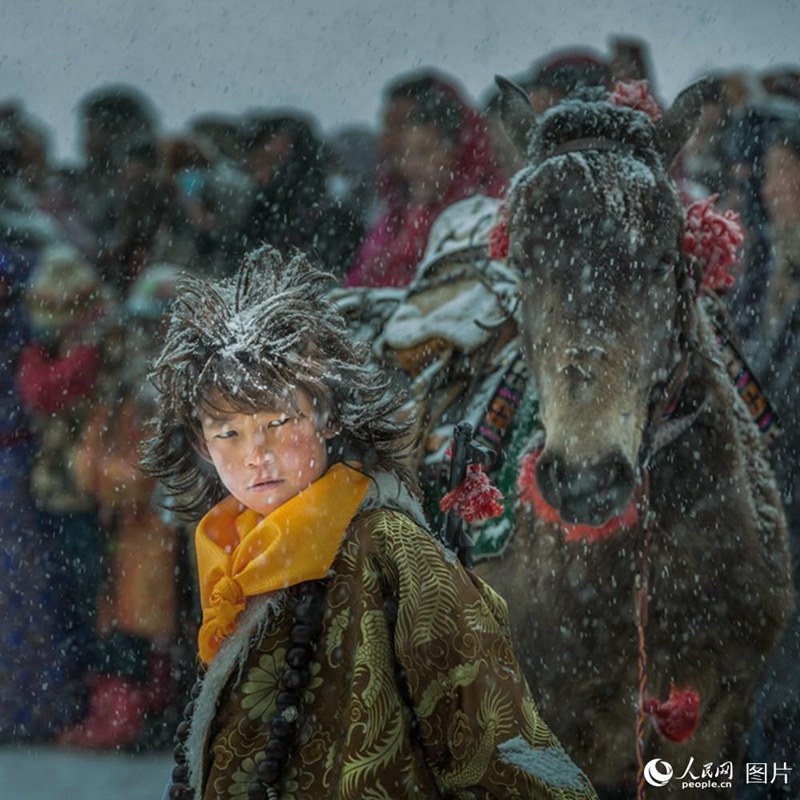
point(259, 453)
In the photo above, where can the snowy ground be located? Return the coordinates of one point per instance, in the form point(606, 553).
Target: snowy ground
point(45, 773)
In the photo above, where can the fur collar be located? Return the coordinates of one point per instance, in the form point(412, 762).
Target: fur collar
point(231, 656)
point(388, 491)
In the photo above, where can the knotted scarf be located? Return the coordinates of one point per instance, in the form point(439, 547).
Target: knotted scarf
point(241, 554)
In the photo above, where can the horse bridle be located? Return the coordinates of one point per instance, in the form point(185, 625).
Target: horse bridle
point(600, 143)
point(662, 428)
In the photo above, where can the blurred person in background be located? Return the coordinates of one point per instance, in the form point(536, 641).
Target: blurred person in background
point(434, 149)
point(41, 691)
point(352, 173)
point(226, 189)
point(754, 114)
point(630, 61)
point(38, 181)
point(291, 206)
point(780, 191)
point(782, 82)
point(559, 74)
point(56, 378)
point(776, 733)
point(118, 142)
point(23, 223)
point(207, 202)
point(132, 681)
point(142, 211)
point(221, 136)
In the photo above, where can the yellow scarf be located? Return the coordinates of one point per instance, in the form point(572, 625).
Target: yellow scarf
point(241, 554)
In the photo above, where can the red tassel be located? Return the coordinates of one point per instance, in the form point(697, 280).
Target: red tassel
point(676, 718)
point(475, 499)
point(636, 95)
point(530, 495)
point(713, 238)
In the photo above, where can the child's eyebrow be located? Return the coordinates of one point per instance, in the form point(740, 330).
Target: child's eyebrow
point(216, 421)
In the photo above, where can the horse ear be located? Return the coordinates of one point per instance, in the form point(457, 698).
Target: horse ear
point(516, 113)
point(679, 123)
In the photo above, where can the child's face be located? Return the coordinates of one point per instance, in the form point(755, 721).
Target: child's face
point(265, 458)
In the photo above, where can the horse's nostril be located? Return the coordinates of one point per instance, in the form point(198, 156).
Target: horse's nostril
point(548, 479)
point(619, 474)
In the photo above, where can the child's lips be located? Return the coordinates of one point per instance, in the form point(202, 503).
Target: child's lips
point(265, 485)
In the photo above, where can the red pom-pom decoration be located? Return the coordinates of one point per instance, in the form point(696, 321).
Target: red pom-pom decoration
point(498, 238)
point(713, 238)
point(676, 718)
point(636, 95)
point(531, 496)
point(475, 499)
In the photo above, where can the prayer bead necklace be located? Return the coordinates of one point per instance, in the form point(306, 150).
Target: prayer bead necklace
point(306, 628)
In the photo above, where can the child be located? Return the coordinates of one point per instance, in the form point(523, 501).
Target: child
point(345, 653)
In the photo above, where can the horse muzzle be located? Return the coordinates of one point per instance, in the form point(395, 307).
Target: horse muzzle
point(587, 493)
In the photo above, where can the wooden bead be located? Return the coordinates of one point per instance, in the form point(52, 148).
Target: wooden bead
point(196, 689)
point(298, 657)
point(180, 773)
point(269, 770)
point(304, 610)
point(277, 750)
point(179, 791)
point(279, 727)
point(256, 791)
point(302, 634)
point(189, 709)
point(180, 753)
point(182, 731)
point(308, 613)
point(285, 699)
point(296, 678)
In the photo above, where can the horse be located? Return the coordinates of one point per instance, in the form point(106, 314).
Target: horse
point(648, 571)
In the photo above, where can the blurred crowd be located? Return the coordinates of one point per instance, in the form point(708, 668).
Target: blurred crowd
point(95, 648)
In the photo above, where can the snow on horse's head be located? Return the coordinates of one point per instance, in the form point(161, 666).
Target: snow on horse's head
point(594, 230)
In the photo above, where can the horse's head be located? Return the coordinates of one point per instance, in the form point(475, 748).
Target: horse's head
point(595, 224)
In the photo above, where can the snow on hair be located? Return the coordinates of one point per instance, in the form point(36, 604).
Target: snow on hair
point(255, 341)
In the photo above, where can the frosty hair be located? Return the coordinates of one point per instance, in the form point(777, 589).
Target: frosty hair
point(256, 342)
